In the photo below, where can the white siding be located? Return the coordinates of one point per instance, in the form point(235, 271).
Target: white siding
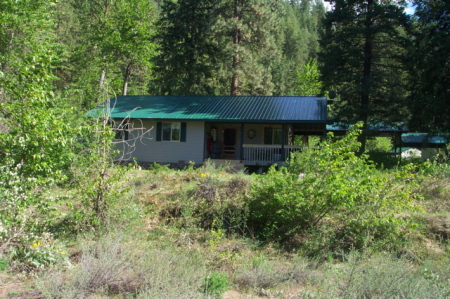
point(146, 149)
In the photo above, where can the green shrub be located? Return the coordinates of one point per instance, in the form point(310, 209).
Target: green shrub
point(158, 168)
point(4, 264)
point(215, 284)
point(24, 211)
point(379, 145)
point(332, 189)
point(379, 150)
point(97, 178)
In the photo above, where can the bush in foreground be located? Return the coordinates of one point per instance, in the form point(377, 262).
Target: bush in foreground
point(330, 199)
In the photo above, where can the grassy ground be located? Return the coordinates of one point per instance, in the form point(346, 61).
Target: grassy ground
point(182, 234)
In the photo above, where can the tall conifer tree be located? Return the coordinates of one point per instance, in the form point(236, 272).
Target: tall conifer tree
point(298, 42)
point(238, 47)
point(430, 70)
point(362, 59)
point(246, 30)
point(188, 53)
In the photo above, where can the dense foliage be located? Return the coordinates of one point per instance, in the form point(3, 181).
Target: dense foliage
point(430, 69)
point(234, 47)
point(362, 59)
point(59, 177)
point(334, 195)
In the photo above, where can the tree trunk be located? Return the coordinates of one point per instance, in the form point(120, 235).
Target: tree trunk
point(236, 42)
point(103, 75)
point(235, 78)
point(366, 80)
point(126, 79)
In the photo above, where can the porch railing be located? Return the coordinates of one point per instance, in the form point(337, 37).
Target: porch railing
point(265, 154)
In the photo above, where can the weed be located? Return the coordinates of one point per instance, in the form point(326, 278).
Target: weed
point(4, 264)
point(386, 277)
point(264, 274)
point(213, 200)
point(38, 255)
point(158, 168)
point(110, 267)
point(215, 284)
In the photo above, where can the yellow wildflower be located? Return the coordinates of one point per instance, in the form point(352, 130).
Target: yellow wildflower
point(202, 175)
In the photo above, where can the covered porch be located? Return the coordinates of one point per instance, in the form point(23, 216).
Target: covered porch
point(257, 144)
point(256, 155)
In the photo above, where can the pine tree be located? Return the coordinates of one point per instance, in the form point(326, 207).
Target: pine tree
point(301, 29)
point(246, 30)
point(363, 47)
point(430, 69)
point(238, 47)
point(188, 53)
point(309, 79)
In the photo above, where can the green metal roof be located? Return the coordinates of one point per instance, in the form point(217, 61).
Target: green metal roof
point(376, 127)
point(424, 140)
point(280, 109)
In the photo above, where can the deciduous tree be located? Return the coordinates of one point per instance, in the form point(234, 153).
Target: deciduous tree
point(35, 140)
point(115, 47)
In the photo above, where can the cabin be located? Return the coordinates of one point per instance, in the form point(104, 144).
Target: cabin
point(242, 130)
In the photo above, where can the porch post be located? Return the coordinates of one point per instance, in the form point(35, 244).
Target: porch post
point(242, 142)
point(283, 141)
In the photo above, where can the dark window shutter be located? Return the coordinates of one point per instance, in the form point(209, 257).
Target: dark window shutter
point(183, 132)
point(158, 131)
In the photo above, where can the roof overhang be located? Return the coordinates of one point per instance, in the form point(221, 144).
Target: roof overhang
point(236, 109)
point(424, 140)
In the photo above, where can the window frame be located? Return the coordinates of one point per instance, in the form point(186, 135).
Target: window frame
point(171, 132)
point(272, 140)
point(183, 132)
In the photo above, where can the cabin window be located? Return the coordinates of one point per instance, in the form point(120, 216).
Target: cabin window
point(171, 131)
point(272, 135)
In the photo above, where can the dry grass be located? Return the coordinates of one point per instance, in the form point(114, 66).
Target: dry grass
point(436, 192)
point(110, 267)
point(180, 235)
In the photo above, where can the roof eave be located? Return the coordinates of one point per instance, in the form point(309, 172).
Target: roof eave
point(262, 121)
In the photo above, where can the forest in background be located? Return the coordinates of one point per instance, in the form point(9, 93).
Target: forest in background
point(380, 64)
point(66, 207)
